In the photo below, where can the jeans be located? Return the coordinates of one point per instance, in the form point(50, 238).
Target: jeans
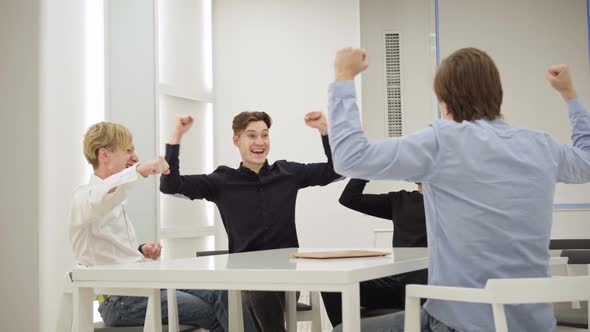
point(199, 308)
point(268, 309)
point(222, 313)
point(388, 292)
point(395, 323)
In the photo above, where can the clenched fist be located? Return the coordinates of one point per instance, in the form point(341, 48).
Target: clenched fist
point(157, 165)
point(182, 125)
point(317, 120)
point(349, 63)
point(561, 80)
point(151, 250)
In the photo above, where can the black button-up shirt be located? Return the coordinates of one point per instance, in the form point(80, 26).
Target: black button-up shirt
point(405, 209)
point(257, 210)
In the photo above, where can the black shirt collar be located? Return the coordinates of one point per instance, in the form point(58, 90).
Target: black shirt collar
point(246, 171)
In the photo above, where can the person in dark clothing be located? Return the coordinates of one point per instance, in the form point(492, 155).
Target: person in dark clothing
point(406, 210)
point(257, 200)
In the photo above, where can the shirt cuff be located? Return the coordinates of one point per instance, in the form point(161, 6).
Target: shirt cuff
point(575, 106)
point(342, 89)
point(130, 174)
point(172, 148)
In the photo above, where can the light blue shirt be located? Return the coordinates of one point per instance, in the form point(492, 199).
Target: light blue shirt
point(488, 195)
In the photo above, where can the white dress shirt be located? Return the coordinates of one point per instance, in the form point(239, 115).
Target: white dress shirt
point(100, 230)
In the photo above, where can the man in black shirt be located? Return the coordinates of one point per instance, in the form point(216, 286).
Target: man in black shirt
point(257, 200)
point(406, 210)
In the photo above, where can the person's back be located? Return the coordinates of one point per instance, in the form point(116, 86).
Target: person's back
point(479, 215)
point(488, 187)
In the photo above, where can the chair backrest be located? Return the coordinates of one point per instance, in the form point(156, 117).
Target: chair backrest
point(534, 290)
point(569, 244)
point(499, 292)
point(527, 290)
point(382, 237)
point(212, 253)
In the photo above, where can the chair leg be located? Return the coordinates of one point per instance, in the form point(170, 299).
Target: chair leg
point(412, 315)
point(153, 317)
point(172, 311)
point(575, 304)
point(291, 311)
point(316, 311)
point(500, 317)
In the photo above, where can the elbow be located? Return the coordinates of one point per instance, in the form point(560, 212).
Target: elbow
point(348, 159)
point(344, 201)
point(340, 167)
point(345, 167)
point(166, 186)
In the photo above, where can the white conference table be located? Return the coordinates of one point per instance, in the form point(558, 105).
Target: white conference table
point(269, 270)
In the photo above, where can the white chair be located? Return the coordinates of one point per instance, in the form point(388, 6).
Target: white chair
point(303, 312)
point(573, 314)
point(382, 237)
point(499, 292)
point(153, 319)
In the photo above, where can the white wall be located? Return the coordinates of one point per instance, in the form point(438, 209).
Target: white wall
point(19, 182)
point(524, 37)
point(62, 123)
point(277, 56)
point(414, 21)
point(41, 119)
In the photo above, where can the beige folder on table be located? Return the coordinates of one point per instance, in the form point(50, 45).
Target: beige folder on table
point(338, 254)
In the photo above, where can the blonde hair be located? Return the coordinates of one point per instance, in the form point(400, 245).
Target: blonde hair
point(106, 135)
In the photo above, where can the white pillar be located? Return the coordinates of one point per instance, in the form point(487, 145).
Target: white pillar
point(184, 87)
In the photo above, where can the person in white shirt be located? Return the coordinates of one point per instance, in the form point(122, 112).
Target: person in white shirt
point(101, 232)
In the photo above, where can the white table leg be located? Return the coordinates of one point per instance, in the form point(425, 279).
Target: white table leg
point(316, 311)
point(351, 308)
point(236, 320)
point(153, 317)
point(172, 310)
point(82, 315)
point(291, 311)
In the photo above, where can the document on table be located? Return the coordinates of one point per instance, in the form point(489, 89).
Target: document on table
point(338, 254)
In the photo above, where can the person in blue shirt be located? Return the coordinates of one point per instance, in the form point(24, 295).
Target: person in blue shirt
point(488, 186)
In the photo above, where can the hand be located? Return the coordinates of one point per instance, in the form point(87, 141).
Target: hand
point(349, 63)
point(151, 250)
point(158, 165)
point(317, 120)
point(560, 79)
point(183, 124)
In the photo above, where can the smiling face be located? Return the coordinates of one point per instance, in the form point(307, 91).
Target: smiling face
point(254, 145)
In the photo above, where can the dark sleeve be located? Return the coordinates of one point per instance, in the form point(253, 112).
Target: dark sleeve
point(318, 174)
point(191, 186)
point(374, 205)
